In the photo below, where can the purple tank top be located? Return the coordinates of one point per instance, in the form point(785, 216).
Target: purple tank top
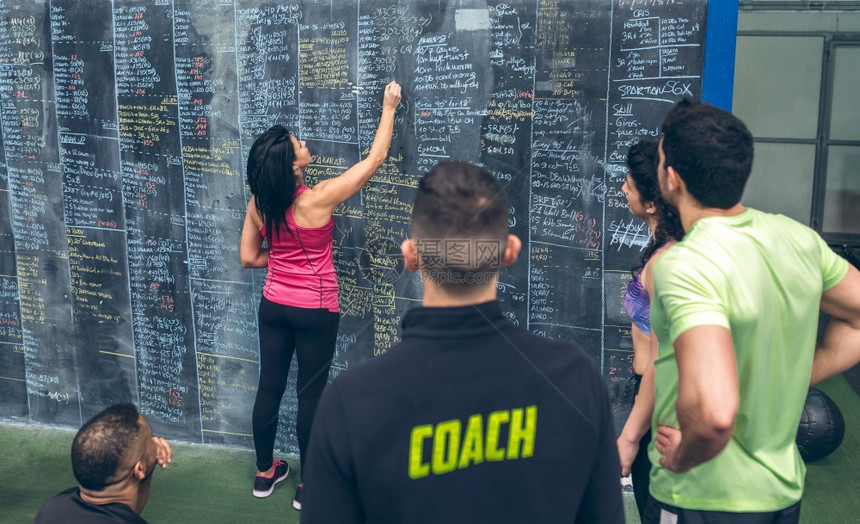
point(637, 304)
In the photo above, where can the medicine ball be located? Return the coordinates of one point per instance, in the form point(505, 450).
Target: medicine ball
point(821, 426)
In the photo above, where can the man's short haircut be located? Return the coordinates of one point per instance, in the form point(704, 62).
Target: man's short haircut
point(712, 151)
point(460, 225)
point(102, 444)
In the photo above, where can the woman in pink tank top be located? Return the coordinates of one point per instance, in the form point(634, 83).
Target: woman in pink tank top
point(299, 307)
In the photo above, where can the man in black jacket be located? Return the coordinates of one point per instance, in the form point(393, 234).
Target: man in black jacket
point(113, 458)
point(469, 418)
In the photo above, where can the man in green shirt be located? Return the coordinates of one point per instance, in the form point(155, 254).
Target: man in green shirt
point(735, 313)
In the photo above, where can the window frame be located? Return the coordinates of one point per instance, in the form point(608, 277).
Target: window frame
point(822, 141)
point(822, 150)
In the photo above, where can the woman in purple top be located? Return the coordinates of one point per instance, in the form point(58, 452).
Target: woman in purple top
point(643, 197)
point(299, 307)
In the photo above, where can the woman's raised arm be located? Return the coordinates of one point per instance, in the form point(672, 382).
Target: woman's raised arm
point(328, 194)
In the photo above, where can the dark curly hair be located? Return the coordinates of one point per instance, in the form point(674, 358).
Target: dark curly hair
point(270, 177)
point(642, 162)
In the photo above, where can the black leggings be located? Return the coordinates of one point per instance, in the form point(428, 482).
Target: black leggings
point(312, 334)
point(640, 470)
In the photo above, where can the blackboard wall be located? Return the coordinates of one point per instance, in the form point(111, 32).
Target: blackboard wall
point(125, 128)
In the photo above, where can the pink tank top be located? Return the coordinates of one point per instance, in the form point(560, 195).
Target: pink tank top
point(301, 270)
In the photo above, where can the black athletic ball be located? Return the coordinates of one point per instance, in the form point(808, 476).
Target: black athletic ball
point(821, 426)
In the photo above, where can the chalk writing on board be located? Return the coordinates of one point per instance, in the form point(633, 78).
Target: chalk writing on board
point(125, 131)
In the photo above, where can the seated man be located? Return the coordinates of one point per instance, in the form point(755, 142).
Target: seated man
point(113, 457)
point(469, 418)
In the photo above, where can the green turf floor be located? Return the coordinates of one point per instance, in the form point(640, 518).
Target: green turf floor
point(209, 484)
point(833, 484)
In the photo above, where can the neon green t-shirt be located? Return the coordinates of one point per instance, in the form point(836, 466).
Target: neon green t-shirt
point(761, 276)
